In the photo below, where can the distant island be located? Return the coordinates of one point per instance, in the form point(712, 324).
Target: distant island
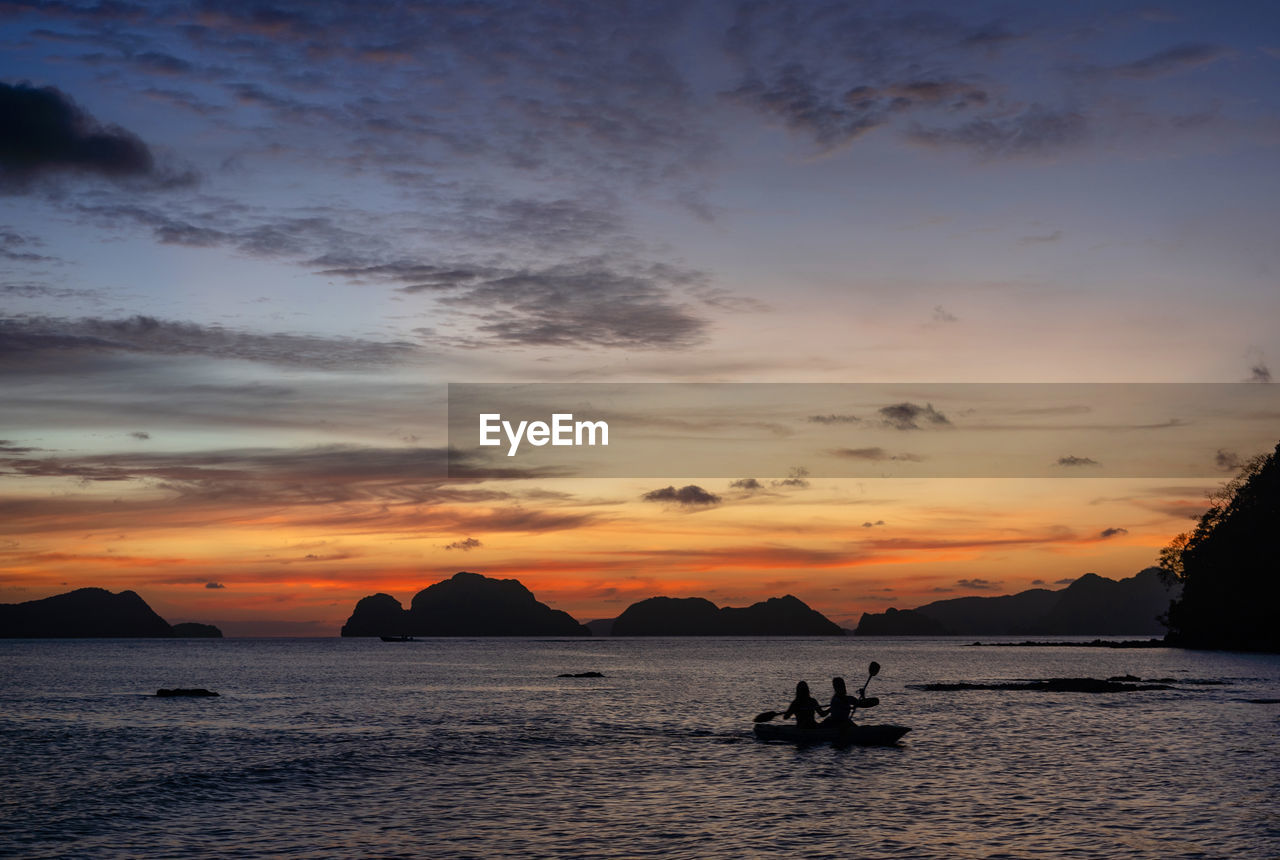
point(467, 604)
point(697, 616)
point(1091, 606)
point(92, 613)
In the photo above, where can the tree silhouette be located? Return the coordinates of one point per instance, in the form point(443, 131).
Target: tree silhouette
point(1229, 567)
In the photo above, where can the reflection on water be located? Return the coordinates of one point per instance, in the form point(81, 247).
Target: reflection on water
point(474, 748)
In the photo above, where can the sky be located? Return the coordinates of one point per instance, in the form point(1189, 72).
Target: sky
point(245, 247)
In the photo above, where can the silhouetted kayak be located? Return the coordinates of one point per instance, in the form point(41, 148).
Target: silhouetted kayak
point(881, 735)
point(405, 638)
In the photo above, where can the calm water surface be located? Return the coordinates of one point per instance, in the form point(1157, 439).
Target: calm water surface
point(474, 748)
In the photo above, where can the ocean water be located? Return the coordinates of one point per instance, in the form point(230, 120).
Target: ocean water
point(457, 748)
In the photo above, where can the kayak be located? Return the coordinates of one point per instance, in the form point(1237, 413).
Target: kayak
point(882, 735)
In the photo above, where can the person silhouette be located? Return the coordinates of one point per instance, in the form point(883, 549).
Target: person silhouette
point(842, 705)
point(803, 707)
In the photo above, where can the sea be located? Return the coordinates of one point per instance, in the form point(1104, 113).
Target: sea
point(476, 748)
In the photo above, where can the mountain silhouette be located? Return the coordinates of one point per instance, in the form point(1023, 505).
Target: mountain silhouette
point(89, 613)
point(697, 616)
point(1091, 606)
point(467, 604)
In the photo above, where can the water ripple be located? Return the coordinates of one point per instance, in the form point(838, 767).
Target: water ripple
point(466, 749)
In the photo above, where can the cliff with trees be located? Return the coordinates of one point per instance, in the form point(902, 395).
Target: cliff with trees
point(1229, 568)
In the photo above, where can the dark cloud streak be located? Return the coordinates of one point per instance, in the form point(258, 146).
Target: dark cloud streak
point(1035, 131)
point(1187, 55)
point(912, 416)
point(41, 336)
point(45, 133)
point(689, 496)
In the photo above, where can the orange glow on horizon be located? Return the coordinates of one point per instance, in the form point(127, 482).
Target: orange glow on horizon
point(311, 563)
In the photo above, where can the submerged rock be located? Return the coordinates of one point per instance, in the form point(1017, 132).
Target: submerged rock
point(1047, 685)
point(1093, 643)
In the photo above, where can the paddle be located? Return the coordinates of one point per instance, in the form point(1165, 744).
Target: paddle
point(766, 716)
point(872, 671)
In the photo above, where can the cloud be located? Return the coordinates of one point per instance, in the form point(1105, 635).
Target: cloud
point(36, 335)
point(750, 485)
point(1227, 461)
point(1035, 131)
point(496, 85)
point(1071, 460)
point(834, 72)
point(14, 245)
point(690, 495)
point(874, 455)
point(954, 94)
point(141, 435)
point(793, 95)
point(214, 585)
point(414, 276)
point(942, 315)
point(162, 63)
point(1188, 55)
point(1112, 532)
point(45, 133)
point(979, 584)
point(303, 471)
point(795, 478)
point(466, 545)
point(1259, 373)
point(1066, 581)
point(231, 224)
point(607, 300)
point(833, 419)
point(541, 223)
point(601, 301)
point(909, 416)
point(1057, 535)
point(992, 35)
point(584, 303)
point(834, 115)
point(336, 487)
point(311, 556)
point(1040, 240)
point(869, 524)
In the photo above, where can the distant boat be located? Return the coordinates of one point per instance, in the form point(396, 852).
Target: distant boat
point(401, 638)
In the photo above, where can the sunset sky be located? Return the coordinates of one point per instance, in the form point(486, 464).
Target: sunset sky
point(244, 247)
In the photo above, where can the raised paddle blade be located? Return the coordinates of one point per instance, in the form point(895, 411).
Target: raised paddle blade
point(765, 716)
point(873, 669)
